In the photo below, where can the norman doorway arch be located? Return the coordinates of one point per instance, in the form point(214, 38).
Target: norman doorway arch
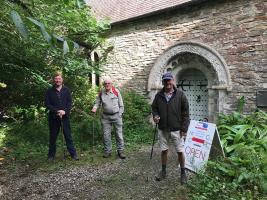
point(194, 58)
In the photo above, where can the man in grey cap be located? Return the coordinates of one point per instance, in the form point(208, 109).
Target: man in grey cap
point(170, 111)
point(112, 106)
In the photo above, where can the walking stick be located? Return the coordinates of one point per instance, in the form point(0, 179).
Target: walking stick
point(62, 131)
point(94, 133)
point(152, 148)
point(154, 138)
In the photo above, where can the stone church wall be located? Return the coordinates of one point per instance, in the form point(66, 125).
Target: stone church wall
point(236, 29)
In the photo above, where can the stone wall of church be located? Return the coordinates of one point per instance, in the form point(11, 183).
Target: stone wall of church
point(236, 29)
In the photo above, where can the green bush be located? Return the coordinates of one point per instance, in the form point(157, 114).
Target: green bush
point(26, 138)
point(87, 132)
point(243, 173)
point(137, 129)
point(242, 176)
point(26, 114)
point(53, 31)
point(244, 131)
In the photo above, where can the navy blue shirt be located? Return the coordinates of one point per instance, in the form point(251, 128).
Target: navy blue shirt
point(58, 100)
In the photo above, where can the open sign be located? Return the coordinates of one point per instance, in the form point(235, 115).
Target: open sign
point(200, 136)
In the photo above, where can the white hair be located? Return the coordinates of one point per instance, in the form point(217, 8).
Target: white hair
point(107, 79)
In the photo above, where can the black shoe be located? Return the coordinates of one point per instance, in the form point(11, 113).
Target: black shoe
point(75, 157)
point(162, 175)
point(107, 155)
point(50, 159)
point(183, 178)
point(121, 155)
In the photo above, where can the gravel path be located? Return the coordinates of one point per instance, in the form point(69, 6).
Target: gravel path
point(132, 178)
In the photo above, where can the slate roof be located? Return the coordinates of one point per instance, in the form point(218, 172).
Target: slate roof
point(124, 10)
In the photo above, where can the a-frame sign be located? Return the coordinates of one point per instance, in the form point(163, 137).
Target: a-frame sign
point(202, 142)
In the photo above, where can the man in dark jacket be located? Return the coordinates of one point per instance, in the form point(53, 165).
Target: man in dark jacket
point(58, 101)
point(171, 112)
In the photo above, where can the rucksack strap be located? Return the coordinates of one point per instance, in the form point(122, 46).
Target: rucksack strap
point(114, 91)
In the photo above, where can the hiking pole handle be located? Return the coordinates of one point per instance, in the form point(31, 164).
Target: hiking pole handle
point(154, 138)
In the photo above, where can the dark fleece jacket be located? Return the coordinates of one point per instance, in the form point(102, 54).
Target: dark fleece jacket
point(174, 115)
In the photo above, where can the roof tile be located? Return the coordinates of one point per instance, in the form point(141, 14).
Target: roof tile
point(120, 10)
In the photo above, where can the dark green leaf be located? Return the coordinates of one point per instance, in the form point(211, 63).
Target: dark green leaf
point(19, 24)
point(241, 132)
point(65, 48)
point(41, 26)
point(235, 146)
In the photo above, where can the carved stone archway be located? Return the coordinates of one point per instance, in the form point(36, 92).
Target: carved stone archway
point(219, 80)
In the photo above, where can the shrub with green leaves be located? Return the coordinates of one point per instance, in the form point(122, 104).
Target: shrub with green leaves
point(244, 131)
point(243, 173)
point(27, 138)
point(40, 37)
point(137, 129)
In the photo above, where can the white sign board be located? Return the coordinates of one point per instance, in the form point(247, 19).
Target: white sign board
point(198, 144)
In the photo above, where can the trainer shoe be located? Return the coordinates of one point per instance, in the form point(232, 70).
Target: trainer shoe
point(162, 175)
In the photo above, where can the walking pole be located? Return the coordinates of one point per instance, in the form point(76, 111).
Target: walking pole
point(152, 149)
point(93, 143)
point(154, 138)
point(62, 131)
point(94, 133)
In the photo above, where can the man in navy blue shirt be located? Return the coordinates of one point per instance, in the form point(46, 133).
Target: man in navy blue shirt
point(58, 101)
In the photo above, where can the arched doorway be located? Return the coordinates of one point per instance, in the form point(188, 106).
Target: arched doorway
point(194, 75)
point(194, 84)
point(200, 65)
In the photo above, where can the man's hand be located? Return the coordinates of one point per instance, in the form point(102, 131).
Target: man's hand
point(156, 119)
point(183, 134)
point(94, 110)
point(60, 113)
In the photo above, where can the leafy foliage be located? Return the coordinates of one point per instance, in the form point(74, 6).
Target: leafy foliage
point(244, 131)
point(26, 140)
point(39, 37)
point(136, 117)
point(242, 174)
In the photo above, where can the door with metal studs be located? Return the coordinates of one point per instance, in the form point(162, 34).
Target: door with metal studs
point(194, 84)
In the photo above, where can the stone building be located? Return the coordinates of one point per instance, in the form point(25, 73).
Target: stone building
point(215, 49)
